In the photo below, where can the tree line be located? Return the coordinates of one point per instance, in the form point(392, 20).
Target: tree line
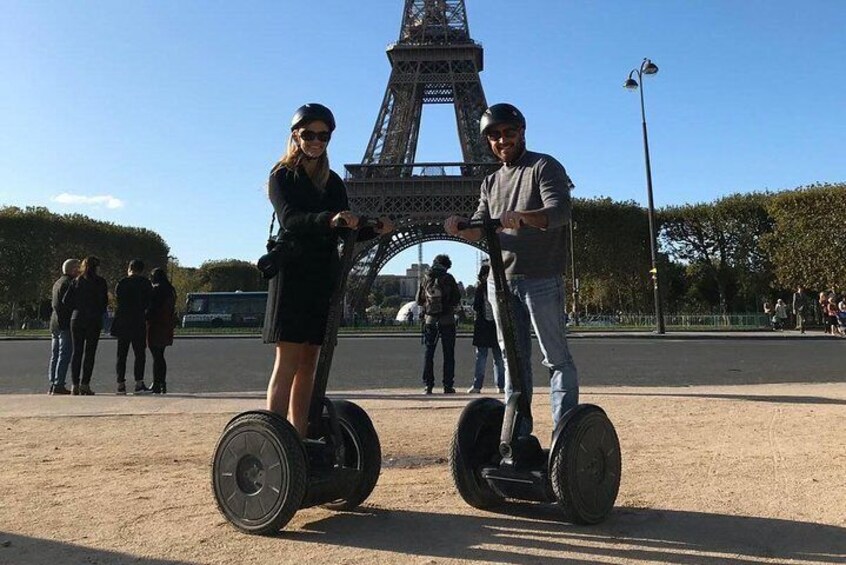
point(723, 256)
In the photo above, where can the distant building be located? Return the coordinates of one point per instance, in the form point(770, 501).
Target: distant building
point(407, 283)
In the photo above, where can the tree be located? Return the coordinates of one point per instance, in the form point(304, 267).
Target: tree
point(611, 242)
point(808, 242)
point(35, 242)
point(229, 275)
point(722, 241)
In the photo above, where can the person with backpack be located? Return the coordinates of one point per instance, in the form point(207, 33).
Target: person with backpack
point(438, 295)
point(484, 336)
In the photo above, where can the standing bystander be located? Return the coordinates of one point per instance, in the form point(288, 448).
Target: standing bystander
point(800, 307)
point(439, 295)
point(62, 346)
point(133, 298)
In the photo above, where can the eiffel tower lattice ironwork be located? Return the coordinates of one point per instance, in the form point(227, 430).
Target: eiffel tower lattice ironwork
point(434, 61)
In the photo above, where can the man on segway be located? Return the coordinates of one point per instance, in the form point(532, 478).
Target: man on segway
point(530, 194)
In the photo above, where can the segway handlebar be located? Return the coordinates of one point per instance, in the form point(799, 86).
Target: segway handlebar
point(363, 222)
point(479, 224)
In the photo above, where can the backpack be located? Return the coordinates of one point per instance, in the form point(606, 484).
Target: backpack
point(434, 296)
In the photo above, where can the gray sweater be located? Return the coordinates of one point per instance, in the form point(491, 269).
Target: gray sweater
point(535, 181)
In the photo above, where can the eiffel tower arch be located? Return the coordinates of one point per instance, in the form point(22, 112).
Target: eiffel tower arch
point(434, 61)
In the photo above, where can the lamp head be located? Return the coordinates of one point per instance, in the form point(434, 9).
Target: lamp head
point(648, 67)
point(630, 84)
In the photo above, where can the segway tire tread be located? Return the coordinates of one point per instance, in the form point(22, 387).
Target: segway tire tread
point(275, 429)
point(360, 435)
point(465, 464)
point(591, 502)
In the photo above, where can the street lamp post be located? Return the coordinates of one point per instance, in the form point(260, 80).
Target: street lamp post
point(649, 68)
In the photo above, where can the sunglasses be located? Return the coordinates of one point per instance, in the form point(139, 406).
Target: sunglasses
point(496, 135)
point(308, 135)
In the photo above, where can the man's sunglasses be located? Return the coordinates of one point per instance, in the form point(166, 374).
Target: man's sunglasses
point(496, 135)
point(308, 135)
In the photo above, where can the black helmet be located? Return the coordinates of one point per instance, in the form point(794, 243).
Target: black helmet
point(312, 112)
point(501, 114)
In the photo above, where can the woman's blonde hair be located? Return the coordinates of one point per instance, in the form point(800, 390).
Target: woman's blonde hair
point(293, 157)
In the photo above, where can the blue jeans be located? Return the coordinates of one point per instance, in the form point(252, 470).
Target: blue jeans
point(482, 360)
point(60, 357)
point(431, 333)
point(540, 304)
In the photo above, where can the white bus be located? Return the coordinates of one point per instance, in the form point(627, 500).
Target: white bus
point(224, 309)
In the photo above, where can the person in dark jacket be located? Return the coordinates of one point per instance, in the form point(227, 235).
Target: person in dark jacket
point(484, 335)
point(88, 295)
point(161, 320)
point(62, 346)
point(133, 298)
point(311, 203)
point(439, 295)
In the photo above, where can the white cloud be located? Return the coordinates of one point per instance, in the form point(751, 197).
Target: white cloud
point(107, 200)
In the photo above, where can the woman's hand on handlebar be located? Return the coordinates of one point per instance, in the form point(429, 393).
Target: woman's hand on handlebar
point(345, 219)
point(385, 226)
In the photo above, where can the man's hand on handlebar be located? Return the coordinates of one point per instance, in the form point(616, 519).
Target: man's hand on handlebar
point(512, 220)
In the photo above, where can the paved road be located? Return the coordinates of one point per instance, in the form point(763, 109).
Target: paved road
point(243, 364)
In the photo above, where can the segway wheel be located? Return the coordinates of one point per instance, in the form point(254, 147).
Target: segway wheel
point(362, 451)
point(585, 465)
point(475, 444)
point(259, 472)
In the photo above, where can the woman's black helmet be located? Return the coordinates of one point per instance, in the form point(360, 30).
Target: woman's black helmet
point(312, 112)
point(501, 114)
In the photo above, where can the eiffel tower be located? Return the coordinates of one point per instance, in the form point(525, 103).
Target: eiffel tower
point(434, 61)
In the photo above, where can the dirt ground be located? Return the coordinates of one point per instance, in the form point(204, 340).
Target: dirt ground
point(747, 474)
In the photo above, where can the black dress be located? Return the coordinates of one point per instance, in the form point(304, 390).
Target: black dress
point(298, 297)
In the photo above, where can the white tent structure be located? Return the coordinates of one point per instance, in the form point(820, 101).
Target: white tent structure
point(402, 314)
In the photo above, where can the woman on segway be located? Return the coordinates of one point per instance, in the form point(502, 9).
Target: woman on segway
point(310, 201)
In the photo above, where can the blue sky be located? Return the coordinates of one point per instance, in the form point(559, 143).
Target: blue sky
point(168, 115)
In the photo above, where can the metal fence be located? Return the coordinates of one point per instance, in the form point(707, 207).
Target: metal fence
point(680, 321)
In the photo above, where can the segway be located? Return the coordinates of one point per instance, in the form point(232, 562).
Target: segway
point(262, 472)
point(490, 462)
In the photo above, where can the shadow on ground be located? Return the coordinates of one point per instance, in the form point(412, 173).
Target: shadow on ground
point(23, 549)
point(534, 533)
point(749, 397)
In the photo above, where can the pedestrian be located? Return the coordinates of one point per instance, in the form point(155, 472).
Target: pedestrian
point(438, 296)
point(161, 319)
point(484, 336)
point(132, 295)
point(824, 318)
point(832, 311)
point(800, 307)
point(530, 194)
point(780, 315)
point(88, 295)
point(311, 203)
point(61, 343)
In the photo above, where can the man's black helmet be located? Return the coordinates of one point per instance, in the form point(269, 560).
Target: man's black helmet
point(501, 114)
point(312, 112)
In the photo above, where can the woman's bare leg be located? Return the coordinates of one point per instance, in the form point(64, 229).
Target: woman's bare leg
point(284, 368)
point(302, 388)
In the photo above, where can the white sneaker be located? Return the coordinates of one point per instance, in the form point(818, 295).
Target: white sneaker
point(473, 390)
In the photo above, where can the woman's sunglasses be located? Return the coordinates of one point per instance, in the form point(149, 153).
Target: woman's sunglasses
point(308, 135)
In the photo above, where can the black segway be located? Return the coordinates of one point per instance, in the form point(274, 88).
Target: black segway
point(262, 472)
point(490, 462)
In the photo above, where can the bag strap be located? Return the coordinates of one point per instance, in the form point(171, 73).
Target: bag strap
point(272, 221)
